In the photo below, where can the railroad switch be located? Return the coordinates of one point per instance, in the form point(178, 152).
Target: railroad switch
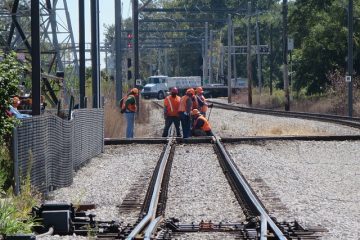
point(64, 219)
point(172, 229)
point(206, 226)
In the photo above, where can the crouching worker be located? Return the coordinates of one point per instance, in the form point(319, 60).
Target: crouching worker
point(201, 126)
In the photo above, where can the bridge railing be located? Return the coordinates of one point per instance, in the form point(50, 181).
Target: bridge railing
point(51, 148)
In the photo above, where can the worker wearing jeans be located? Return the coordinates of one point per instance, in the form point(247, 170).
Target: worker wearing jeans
point(130, 110)
point(185, 108)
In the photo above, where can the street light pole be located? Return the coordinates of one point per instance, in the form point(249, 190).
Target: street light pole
point(350, 57)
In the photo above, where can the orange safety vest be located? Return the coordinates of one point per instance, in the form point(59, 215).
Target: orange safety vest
point(204, 107)
point(172, 106)
point(182, 105)
point(130, 107)
point(206, 127)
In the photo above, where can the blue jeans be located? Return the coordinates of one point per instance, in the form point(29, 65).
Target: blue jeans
point(185, 124)
point(130, 119)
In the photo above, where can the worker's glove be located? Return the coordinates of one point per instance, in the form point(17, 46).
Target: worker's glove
point(211, 105)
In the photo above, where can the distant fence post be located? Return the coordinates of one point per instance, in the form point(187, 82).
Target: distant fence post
point(16, 161)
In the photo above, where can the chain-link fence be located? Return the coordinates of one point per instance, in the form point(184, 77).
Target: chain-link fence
point(50, 148)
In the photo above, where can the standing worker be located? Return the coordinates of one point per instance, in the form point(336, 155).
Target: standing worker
point(201, 126)
point(171, 112)
point(201, 100)
point(129, 106)
point(185, 107)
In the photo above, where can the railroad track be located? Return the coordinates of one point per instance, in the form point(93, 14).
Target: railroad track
point(342, 120)
point(257, 223)
point(155, 221)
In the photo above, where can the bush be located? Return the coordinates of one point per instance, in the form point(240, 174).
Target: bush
point(338, 91)
point(15, 211)
point(10, 73)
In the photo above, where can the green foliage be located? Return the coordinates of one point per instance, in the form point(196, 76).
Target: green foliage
point(320, 32)
point(10, 72)
point(5, 168)
point(9, 223)
point(15, 210)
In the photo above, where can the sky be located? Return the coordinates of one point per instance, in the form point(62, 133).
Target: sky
point(106, 16)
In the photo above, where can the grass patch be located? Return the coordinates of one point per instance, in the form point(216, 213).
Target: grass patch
point(328, 103)
point(115, 122)
point(15, 211)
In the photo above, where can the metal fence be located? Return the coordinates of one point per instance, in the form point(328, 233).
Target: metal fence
point(51, 148)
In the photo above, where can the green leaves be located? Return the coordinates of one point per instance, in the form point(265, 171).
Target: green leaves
point(10, 73)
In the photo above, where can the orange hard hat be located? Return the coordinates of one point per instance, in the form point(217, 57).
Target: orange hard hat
point(190, 91)
point(135, 91)
point(195, 112)
point(199, 90)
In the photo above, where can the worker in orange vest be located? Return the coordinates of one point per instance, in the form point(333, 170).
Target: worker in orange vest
point(185, 107)
point(201, 126)
point(201, 101)
point(129, 106)
point(171, 112)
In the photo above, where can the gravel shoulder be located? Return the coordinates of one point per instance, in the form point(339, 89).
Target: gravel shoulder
point(318, 182)
point(226, 123)
point(106, 180)
point(198, 189)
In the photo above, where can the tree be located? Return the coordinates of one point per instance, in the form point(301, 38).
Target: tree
point(320, 32)
point(10, 73)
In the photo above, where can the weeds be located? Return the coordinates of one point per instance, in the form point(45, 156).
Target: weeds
point(15, 210)
point(115, 122)
point(224, 126)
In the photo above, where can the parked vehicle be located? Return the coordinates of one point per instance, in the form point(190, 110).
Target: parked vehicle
point(158, 86)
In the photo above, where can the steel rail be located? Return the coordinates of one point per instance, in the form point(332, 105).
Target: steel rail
point(348, 121)
point(292, 138)
point(150, 216)
point(150, 230)
point(249, 194)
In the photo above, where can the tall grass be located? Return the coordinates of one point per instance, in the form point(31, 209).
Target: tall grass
point(334, 101)
point(15, 210)
point(115, 122)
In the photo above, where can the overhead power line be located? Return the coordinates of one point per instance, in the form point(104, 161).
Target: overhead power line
point(196, 10)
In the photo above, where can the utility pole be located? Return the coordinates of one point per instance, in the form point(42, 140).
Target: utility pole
point(178, 60)
point(258, 53)
point(205, 65)
point(118, 52)
point(229, 58)
point(136, 39)
point(211, 56)
point(35, 56)
point(166, 62)
point(222, 62)
point(95, 44)
point(82, 66)
point(233, 51)
point(350, 58)
point(285, 58)
point(248, 57)
point(204, 60)
point(271, 60)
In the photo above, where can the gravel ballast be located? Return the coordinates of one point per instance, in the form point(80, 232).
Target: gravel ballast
point(318, 182)
point(226, 123)
point(107, 180)
point(198, 189)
